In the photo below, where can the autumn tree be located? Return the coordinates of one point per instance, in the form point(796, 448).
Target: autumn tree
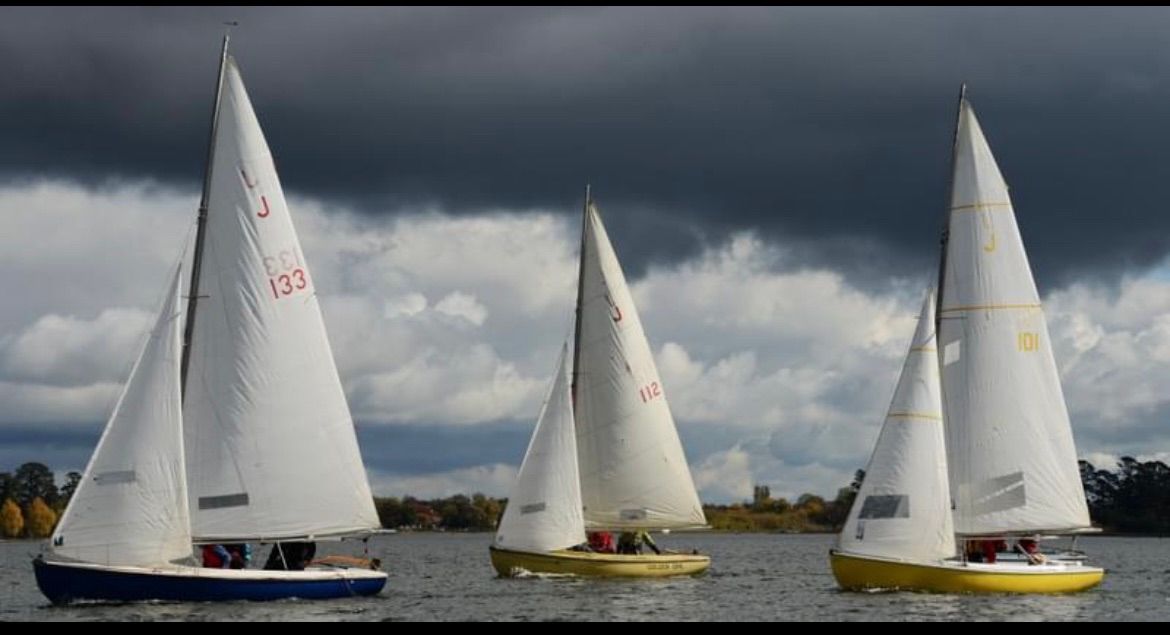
point(11, 519)
point(489, 508)
point(41, 519)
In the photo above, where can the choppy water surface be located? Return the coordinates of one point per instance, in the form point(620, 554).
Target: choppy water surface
point(753, 577)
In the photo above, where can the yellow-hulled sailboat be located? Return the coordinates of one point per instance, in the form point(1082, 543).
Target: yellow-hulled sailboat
point(605, 454)
point(988, 384)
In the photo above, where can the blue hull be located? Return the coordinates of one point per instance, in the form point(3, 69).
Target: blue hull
point(63, 583)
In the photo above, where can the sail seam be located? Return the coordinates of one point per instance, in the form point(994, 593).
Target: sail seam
point(914, 415)
point(978, 206)
point(989, 307)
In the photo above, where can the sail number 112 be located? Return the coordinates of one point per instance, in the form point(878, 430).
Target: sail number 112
point(650, 392)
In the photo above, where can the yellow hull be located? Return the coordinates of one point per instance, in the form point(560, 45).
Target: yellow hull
point(508, 563)
point(858, 573)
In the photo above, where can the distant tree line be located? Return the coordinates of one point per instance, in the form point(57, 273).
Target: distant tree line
point(810, 513)
point(454, 513)
point(1133, 499)
point(31, 502)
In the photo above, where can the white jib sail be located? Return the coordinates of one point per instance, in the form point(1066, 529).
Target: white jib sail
point(903, 509)
point(544, 507)
point(1013, 464)
point(130, 507)
point(271, 448)
point(633, 469)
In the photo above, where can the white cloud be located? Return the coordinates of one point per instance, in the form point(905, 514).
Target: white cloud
point(67, 250)
point(739, 291)
point(88, 290)
point(407, 305)
point(730, 475)
point(1113, 349)
point(725, 475)
point(462, 305)
point(460, 386)
point(777, 375)
point(65, 350)
point(28, 403)
point(1101, 460)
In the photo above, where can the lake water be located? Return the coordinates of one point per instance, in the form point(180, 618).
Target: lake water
point(752, 577)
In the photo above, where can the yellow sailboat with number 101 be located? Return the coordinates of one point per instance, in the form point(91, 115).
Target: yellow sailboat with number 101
point(605, 454)
point(980, 372)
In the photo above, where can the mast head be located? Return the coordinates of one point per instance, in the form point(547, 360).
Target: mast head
point(227, 33)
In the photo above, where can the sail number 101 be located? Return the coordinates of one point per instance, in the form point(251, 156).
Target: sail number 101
point(1028, 342)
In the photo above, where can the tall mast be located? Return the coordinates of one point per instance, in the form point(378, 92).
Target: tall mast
point(942, 261)
point(580, 290)
point(201, 224)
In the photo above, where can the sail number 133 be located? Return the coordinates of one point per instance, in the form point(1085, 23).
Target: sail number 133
point(286, 273)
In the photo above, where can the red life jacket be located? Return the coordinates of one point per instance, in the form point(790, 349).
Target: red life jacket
point(601, 542)
point(211, 558)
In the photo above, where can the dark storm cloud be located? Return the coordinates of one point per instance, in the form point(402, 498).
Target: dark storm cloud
point(410, 450)
point(63, 447)
point(403, 449)
point(426, 449)
point(827, 127)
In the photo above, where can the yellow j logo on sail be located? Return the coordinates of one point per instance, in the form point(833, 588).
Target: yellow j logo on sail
point(986, 222)
point(989, 247)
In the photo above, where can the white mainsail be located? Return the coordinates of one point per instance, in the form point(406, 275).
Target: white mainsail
point(1013, 464)
point(544, 507)
point(634, 473)
point(903, 508)
point(271, 449)
point(130, 507)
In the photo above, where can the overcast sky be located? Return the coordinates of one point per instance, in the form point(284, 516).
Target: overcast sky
point(774, 181)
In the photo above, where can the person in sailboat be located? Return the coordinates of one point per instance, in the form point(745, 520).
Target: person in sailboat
point(973, 551)
point(216, 557)
point(1030, 550)
point(631, 542)
point(241, 555)
point(290, 556)
point(601, 542)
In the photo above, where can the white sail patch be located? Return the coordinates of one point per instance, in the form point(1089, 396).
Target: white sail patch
point(951, 352)
point(993, 495)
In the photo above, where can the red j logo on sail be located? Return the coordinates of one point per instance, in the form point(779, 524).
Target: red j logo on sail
point(250, 184)
point(247, 182)
point(617, 313)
